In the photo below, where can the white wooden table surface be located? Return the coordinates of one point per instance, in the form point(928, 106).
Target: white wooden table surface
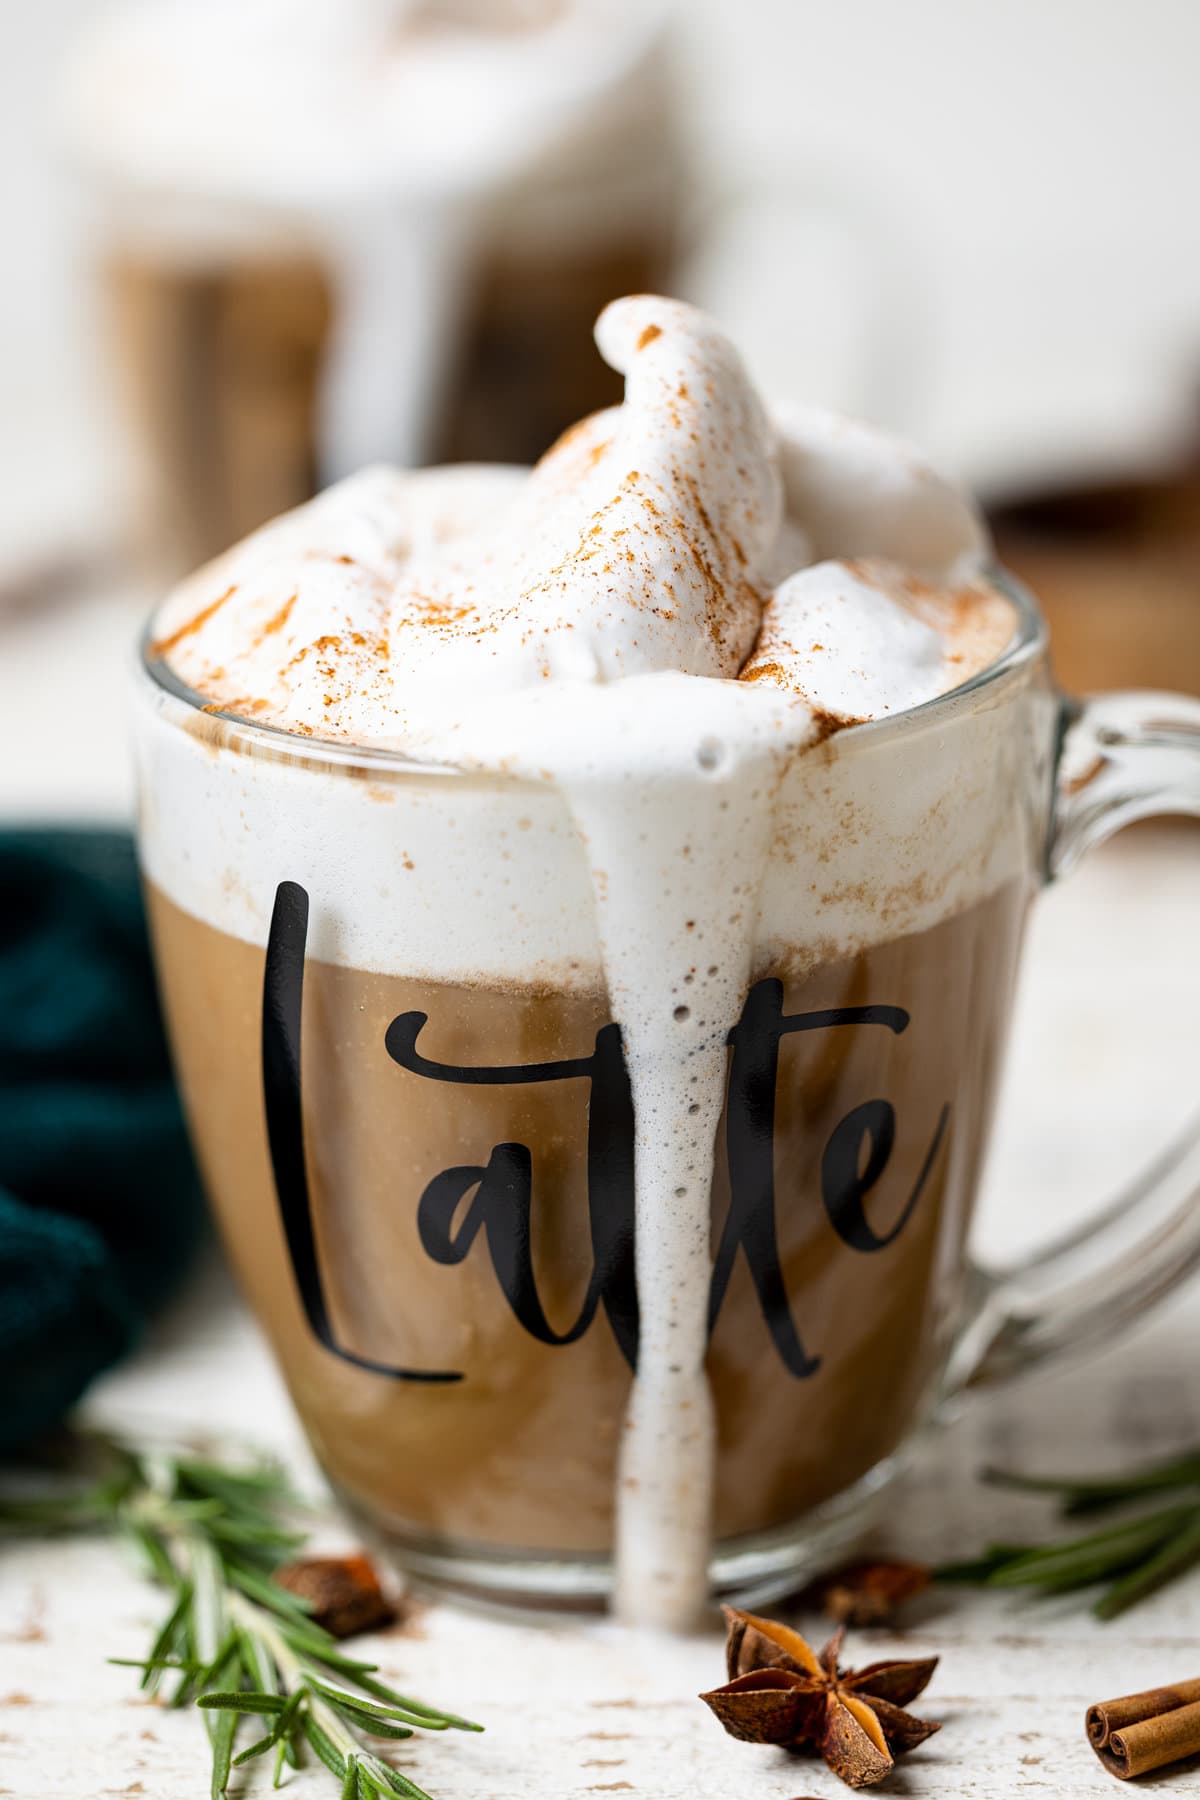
point(1105, 1063)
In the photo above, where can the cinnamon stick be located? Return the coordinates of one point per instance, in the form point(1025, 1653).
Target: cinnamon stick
point(1141, 1732)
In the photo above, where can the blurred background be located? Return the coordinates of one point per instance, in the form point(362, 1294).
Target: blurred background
point(253, 243)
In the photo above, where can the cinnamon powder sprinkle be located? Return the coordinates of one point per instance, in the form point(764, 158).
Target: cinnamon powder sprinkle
point(648, 336)
point(767, 671)
point(276, 622)
point(162, 647)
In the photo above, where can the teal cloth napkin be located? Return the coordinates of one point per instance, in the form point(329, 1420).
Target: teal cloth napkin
point(99, 1200)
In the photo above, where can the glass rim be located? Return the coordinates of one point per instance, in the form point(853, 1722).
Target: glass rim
point(1028, 642)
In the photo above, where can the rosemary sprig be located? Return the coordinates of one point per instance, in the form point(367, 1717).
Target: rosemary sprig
point(232, 1641)
point(1133, 1558)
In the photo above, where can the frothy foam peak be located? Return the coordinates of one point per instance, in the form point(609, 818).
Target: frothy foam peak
point(663, 536)
point(860, 640)
point(635, 545)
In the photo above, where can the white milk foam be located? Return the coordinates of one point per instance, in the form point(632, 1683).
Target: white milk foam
point(583, 627)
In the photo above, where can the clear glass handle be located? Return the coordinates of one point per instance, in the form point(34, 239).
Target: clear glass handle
point(1122, 757)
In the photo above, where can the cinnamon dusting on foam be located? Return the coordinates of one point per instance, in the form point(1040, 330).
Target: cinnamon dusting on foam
point(681, 531)
point(274, 624)
point(862, 638)
point(654, 625)
point(161, 648)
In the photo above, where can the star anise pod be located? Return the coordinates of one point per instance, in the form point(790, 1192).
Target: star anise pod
point(343, 1593)
point(866, 1593)
point(781, 1691)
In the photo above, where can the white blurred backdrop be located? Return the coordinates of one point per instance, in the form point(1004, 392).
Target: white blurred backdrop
point(979, 220)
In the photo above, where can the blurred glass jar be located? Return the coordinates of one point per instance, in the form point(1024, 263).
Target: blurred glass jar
point(332, 232)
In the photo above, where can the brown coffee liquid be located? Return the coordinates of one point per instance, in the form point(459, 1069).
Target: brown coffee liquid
point(520, 1453)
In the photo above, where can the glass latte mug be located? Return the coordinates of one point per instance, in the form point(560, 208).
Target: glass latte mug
point(418, 1138)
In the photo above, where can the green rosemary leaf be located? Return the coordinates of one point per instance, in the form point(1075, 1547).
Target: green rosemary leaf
point(257, 1666)
point(250, 1514)
point(1092, 1495)
point(196, 1512)
point(387, 1781)
point(350, 1782)
point(186, 1690)
point(185, 1650)
point(980, 1568)
point(242, 1700)
point(264, 1486)
point(304, 1639)
point(285, 1731)
point(279, 1732)
point(372, 1724)
point(1069, 1568)
point(154, 1553)
point(1032, 1484)
point(165, 1639)
point(377, 1778)
point(210, 1628)
point(221, 1732)
point(324, 1746)
point(267, 1592)
point(414, 1708)
point(256, 1662)
point(1091, 1558)
point(212, 1672)
point(255, 1533)
point(377, 1786)
point(46, 1514)
point(1178, 1554)
point(374, 1709)
point(317, 1634)
point(1080, 1505)
point(998, 1559)
point(157, 1662)
point(287, 1717)
point(263, 1474)
point(73, 1506)
point(1133, 1531)
point(259, 1747)
point(107, 1496)
point(206, 1676)
point(1072, 1581)
point(279, 1735)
